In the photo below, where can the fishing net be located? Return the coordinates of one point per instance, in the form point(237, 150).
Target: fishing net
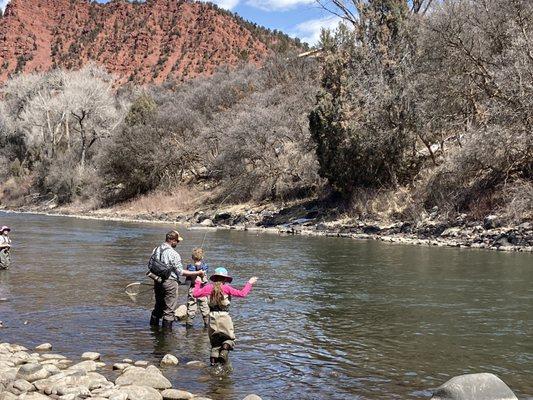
point(137, 288)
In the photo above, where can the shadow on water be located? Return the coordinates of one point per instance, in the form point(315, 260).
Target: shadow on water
point(329, 318)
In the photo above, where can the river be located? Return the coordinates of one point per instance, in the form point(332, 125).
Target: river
point(329, 318)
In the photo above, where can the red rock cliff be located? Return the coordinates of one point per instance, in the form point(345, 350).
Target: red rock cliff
point(140, 42)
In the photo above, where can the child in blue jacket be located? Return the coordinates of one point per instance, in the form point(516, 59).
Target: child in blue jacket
point(194, 303)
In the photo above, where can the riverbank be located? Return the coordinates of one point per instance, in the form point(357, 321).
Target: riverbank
point(41, 374)
point(312, 219)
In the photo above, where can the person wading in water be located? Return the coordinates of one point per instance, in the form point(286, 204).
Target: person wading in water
point(221, 332)
point(5, 247)
point(165, 267)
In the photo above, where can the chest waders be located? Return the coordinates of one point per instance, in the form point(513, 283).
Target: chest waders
point(221, 332)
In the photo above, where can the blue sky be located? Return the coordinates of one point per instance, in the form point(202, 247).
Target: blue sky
point(300, 18)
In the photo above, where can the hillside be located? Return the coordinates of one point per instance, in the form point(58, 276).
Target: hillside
point(139, 42)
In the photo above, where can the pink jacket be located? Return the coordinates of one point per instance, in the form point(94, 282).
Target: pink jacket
point(200, 291)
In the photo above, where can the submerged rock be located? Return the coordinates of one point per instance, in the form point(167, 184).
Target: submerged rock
point(121, 366)
point(181, 312)
point(482, 386)
point(169, 359)
point(252, 397)
point(90, 355)
point(44, 347)
point(196, 364)
point(141, 363)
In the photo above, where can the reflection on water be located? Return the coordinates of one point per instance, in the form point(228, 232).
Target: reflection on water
point(329, 319)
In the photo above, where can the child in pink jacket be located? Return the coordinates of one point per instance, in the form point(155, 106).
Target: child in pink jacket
point(220, 330)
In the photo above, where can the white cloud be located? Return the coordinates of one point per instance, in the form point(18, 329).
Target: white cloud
point(227, 4)
point(3, 4)
point(278, 5)
point(309, 31)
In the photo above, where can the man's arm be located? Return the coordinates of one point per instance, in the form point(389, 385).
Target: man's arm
point(192, 273)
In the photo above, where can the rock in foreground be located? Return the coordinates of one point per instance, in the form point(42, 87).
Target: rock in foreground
point(474, 387)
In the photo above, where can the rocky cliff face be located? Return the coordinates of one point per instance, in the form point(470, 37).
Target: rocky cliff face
point(138, 41)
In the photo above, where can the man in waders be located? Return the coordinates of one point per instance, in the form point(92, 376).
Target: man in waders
point(5, 247)
point(166, 289)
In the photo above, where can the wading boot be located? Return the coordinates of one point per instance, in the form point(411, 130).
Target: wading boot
point(167, 325)
point(213, 361)
point(154, 321)
point(224, 354)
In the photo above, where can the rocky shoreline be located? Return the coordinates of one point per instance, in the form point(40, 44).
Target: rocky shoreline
point(429, 230)
point(41, 374)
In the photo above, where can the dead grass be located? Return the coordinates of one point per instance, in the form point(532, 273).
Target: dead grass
point(180, 200)
point(384, 205)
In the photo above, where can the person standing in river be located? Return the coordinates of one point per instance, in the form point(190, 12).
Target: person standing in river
point(193, 303)
point(166, 289)
point(5, 247)
point(221, 332)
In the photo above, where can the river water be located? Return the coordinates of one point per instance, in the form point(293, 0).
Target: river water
point(328, 319)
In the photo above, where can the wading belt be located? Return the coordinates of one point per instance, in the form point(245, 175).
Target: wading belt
point(218, 308)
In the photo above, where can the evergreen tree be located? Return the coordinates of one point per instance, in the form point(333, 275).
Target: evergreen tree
point(362, 123)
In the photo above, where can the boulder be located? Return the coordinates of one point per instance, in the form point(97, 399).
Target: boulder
point(33, 396)
point(118, 395)
point(8, 396)
point(181, 312)
point(168, 360)
point(32, 372)
point(207, 222)
point(141, 363)
point(51, 356)
point(152, 369)
point(136, 392)
point(143, 377)
point(44, 347)
point(482, 386)
point(120, 366)
point(8, 375)
point(252, 397)
point(175, 394)
point(103, 392)
point(90, 355)
point(16, 347)
point(86, 366)
point(222, 217)
point(77, 391)
point(491, 222)
point(23, 386)
point(53, 369)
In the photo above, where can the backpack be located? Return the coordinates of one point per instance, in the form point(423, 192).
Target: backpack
point(158, 267)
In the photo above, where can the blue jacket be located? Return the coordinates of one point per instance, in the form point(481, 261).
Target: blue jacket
point(204, 267)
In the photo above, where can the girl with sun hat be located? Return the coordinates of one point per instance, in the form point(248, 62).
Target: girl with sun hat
point(220, 330)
